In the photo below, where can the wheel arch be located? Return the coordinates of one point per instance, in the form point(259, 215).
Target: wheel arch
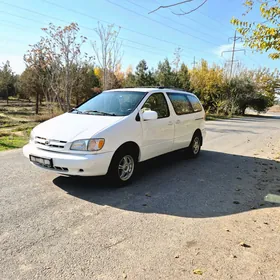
point(129, 146)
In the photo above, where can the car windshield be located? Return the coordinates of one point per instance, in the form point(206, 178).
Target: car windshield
point(111, 103)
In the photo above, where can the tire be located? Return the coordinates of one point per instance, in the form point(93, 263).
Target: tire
point(195, 146)
point(122, 168)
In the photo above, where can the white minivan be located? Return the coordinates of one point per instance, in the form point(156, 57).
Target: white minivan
point(113, 131)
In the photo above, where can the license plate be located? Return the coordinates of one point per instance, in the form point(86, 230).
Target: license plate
point(47, 162)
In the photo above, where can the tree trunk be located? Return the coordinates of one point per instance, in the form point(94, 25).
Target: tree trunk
point(7, 91)
point(37, 103)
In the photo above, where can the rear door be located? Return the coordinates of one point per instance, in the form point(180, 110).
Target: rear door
point(199, 114)
point(157, 134)
point(183, 119)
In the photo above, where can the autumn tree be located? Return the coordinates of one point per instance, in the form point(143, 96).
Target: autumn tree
point(56, 58)
point(266, 82)
point(129, 79)
point(208, 83)
point(262, 36)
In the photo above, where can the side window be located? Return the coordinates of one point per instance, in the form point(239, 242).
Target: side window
point(180, 103)
point(157, 102)
point(195, 103)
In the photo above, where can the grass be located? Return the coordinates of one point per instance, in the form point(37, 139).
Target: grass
point(17, 118)
point(12, 142)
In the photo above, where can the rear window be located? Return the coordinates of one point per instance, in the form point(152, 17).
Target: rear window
point(195, 103)
point(180, 103)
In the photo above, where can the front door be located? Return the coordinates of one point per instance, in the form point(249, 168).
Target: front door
point(157, 134)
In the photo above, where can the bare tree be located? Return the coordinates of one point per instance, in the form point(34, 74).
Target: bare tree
point(108, 52)
point(179, 4)
point(177, 58)
point(56, 58)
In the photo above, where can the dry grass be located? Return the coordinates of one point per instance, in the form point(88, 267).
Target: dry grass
point(17, 120)
point(274, 109)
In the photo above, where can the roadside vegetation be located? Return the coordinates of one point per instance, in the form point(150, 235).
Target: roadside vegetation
point(17, 118)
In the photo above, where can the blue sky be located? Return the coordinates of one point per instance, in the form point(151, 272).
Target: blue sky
point(203, 34)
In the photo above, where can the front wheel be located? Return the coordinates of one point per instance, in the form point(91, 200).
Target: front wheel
point(122, 168)
point(195, 146)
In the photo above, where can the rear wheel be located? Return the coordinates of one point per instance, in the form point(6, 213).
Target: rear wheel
point(195, 146)
point(122, 168)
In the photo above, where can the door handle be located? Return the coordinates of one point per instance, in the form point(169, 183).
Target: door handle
point(178, 121)
point(170, 123)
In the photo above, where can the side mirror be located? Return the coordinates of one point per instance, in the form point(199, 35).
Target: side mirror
point(150, 115)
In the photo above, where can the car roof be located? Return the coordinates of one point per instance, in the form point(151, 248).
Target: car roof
point(151, 89)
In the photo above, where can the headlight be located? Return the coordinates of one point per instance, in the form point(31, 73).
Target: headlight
point(32, 136)
point(88, 145)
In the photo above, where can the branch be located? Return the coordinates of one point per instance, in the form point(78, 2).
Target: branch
point(186, 13)
point(172, 5)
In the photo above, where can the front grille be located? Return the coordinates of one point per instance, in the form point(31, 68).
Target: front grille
point(58, 168)
point(58, 144)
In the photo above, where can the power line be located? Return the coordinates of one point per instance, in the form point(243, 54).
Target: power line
point(165, 25)
point(212, 18)
point(16, 26)
point(125, 28)
point(177, 22)
point(197, 21)
point(92, 29)
point(88, 28)
point(152, 52)
point(7, 13)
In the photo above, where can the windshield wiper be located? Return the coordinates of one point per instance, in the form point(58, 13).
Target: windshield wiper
point(76, 110)
point(98, 112)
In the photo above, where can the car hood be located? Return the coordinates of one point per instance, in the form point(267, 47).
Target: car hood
point(70, 126)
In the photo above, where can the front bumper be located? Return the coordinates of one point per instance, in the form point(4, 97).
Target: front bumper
point(72, 164)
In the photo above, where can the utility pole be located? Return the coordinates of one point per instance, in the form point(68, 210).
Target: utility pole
point(233, 51)
point(194, 62)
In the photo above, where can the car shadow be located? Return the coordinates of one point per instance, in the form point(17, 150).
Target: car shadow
point(215, 184)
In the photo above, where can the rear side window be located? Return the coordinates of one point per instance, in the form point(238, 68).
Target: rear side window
point(180, 103)
point(195, 103)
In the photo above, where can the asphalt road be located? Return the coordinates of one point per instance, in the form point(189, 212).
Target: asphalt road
point(177, 216)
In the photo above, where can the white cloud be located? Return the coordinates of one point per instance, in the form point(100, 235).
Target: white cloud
point(227, 47)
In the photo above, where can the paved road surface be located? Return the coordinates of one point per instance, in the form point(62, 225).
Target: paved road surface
point(179, 215)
